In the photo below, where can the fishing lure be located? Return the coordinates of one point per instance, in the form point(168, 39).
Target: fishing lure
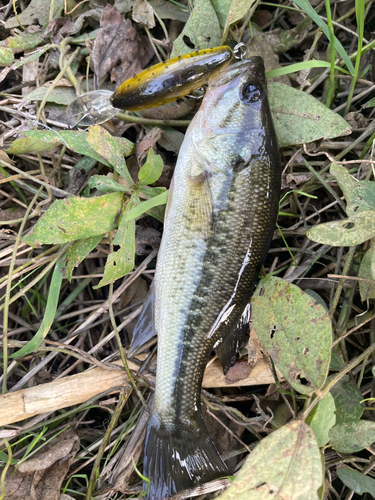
point(168, 81)
point(160, 84)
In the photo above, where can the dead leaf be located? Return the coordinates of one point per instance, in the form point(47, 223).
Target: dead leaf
point(48, 457)
point(36, 12)
point(356, 120)
point(239, 371)
point(143, 13)
point(5, 157)
point(41, 477)
point(118, 48)
point(260, 46)
point(59, 28)
point(148, 141)
point(254, 349)
point(12, 214)
point(146, 236)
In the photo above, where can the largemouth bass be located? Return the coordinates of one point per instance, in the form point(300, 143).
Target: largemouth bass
point(219, 223)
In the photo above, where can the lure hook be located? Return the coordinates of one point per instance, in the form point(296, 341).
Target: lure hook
point(239, 51)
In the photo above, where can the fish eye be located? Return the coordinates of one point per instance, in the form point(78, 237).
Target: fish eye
point(252, 92)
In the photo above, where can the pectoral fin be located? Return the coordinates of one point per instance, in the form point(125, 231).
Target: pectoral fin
point(144, 329)
point(199, 205)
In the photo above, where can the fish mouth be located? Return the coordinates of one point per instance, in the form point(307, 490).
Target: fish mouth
point(253, 68)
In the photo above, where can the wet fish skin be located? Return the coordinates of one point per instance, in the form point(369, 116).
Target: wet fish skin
point(219, 224)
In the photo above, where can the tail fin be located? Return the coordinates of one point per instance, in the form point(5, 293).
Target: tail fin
point(178, 459)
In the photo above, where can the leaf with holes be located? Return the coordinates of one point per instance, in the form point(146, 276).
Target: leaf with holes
point(285, 465)
point(359, 195)
point(121, 262)
point(109, 148)
point(300, 118)
point(78, 251)
point(295, 330)
point(347, 232)
point(202, 31)
point(353, 436)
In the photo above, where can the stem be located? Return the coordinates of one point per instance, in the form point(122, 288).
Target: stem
point(332, 49)
point(8, 289)
point(360, 16)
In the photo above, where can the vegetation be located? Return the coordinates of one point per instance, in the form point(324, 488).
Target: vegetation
point(81, 218)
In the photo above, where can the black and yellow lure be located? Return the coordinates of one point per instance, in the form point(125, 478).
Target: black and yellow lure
point(160, 84)
point(168, 81)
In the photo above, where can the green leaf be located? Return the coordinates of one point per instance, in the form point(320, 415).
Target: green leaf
point(121, 262)
point(238, 9)
point(353, 436)
point(23, 41)
point(104, 184)
point(322, 419)
point(295, 330)
point(49, 313)
point(78, 251)
point(359, 195)
point(24, 60)
point(59, 95)
point(108, 147)
point(347, 232)
point(151, 170)
point(309, 10)
point(76, 219)
point(202, 29)
point(300, 118)
point(356, 481)
point(370, 103)
point(171, 139)
point(6, 56)
point(36, 10)
point(221, 8)
point(145, 206)
point(367, 289)
point(348, 399)
point(336, 364)
point(293, 68)
point(285, 465)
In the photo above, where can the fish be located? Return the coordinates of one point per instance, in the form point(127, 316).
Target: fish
point(170, 80)
point(219, 222)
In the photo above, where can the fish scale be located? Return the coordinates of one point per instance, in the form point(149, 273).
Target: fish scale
point(219, 222)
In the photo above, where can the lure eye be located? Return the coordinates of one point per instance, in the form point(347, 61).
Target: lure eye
point(251, 92)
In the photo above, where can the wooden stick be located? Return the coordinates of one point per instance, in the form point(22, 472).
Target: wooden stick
point(76, 389)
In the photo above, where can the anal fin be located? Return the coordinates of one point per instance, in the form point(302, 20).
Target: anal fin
point(144, 329)
point(228, 344)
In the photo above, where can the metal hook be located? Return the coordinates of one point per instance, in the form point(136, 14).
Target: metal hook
point(239, 51)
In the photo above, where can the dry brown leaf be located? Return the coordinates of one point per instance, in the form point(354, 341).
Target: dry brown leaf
point(146, 236)
point(143, 13)
point(259, 46)
point(239, 371)
point(118, 48)
point(148, 141)
point(41, 477)
point(254, 349)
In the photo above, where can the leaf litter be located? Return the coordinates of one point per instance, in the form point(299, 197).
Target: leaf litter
point(80, 261)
